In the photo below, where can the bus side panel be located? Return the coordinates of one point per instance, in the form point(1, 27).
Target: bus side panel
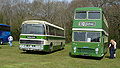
point(56, 42)
point(46, 48)
point(87, 49)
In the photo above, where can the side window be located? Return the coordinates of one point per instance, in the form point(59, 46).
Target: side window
point(58, 33)
point(51, 30)
point(47, 29)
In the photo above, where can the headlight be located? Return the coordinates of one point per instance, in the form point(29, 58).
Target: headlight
point(41, 46)
point(96, 49)
point(74, 49)
point(20, 45)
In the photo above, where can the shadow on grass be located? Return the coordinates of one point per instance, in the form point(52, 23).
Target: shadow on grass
point(87, 57)
point(39, 52)
point(107, 56)
point(34, 52)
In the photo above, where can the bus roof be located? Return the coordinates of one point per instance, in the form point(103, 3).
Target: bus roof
point(41, 22)
point(4, 25)
point(89, 8)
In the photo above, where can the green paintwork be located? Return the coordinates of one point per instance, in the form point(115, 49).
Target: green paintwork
point(76, 24)
point(88, 9)
point(37, 37)
point(43, 37)
point(46, 48)
point(88, 48)
point(55, 38)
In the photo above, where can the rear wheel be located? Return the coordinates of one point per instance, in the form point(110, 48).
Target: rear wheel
point(50, 47)
point(61, 46)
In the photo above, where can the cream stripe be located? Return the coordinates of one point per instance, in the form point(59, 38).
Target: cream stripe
point(41, 35)
point(86, 29)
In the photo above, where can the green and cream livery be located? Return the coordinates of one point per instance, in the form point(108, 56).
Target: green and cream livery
point(41, 36)
point(89, 32)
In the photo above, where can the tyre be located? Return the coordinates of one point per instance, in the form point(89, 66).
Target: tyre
point(61, 46)
point(73, 56)
point(50, 47)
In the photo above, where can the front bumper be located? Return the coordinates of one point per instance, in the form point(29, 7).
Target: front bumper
point(31, 47)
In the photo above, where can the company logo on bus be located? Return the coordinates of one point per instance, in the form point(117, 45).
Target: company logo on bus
point(87, 23)
point(31, 37)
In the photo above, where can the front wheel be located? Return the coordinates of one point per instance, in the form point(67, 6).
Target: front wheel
point(73, 56)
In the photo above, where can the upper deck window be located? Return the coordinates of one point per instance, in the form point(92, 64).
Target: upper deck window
point(94, 15)
point(87, 15)
point(81, 15)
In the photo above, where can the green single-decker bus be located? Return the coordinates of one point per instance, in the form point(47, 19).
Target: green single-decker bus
point(41, 36)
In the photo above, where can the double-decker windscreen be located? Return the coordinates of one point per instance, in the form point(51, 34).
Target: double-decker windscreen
point(87, 36)
point(87, 15)
point(33, 29)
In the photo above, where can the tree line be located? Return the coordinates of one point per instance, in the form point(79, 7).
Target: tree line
point(14, 12)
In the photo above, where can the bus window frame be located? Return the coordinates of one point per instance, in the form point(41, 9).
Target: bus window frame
point(44, 33)
point(87, 15)
point(45, 26)
point(95, 19)
point(86, 41)
point(55, 31)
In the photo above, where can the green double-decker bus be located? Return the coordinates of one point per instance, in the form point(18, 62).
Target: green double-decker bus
point(89, 32)
point(41, 36)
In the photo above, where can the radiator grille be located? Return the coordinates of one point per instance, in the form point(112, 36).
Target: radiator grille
point(86, 50)
point(31, 42)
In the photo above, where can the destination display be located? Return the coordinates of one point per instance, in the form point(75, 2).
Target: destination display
point(31, 37)
point(87, 24)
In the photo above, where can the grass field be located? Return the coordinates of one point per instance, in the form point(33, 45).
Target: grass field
point(12, 57)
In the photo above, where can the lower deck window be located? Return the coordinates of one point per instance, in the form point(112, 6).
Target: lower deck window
point(87, 36)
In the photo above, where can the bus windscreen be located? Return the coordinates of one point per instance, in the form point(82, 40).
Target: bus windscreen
point(33, 29)
point(87, 36)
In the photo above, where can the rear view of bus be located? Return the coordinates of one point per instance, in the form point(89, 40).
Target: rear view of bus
point(4, 33)
point(89, 32)
point(36, 36)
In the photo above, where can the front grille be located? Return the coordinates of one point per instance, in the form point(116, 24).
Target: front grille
point(31, 42)
point(86, 50)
